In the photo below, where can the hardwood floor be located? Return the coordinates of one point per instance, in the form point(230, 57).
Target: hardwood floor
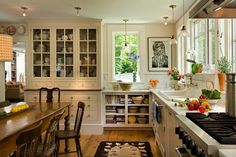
point(89, 143)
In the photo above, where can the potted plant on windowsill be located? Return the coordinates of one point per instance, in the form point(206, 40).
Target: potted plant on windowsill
point(223, 68)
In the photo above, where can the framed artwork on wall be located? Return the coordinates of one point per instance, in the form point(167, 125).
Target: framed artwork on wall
point(159, 54)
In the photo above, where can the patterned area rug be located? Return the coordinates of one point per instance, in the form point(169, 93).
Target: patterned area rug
point(123, 149)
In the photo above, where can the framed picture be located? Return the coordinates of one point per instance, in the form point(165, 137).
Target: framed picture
point(159, 53)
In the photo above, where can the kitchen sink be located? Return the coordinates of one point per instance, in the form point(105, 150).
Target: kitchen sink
point(175, 95)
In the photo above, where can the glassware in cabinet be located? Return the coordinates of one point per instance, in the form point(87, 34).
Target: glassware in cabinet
point(64, 52)
point(41, 52)
point(88, 52)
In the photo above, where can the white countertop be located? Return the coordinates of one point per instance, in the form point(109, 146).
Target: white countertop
point(227, 152)
point(182, 110)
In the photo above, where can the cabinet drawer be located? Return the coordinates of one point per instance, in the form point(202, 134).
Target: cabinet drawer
point(91, 106)
point(90, 116)
point(79, 97)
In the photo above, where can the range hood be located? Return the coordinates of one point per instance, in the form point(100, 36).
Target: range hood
point(214, 9)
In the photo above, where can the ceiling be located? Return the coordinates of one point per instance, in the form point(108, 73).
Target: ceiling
point(110, 11)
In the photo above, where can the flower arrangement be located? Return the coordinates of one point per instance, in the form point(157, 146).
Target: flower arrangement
point(134, 58)
point(153, 83)
point(174, 74)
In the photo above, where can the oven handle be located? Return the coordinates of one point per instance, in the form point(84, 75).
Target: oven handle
point(182, 152)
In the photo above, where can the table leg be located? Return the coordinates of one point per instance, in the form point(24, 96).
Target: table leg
point(67, 127)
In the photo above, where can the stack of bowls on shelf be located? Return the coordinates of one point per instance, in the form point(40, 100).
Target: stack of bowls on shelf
point(137, 99)
point(133, 109)
point(142, 119)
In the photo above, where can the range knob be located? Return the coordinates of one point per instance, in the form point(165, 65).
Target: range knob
point(182, 134)
point(185, 139)
point(194, 149)
point(177, 130)
point(189, 144)
point(201, 154)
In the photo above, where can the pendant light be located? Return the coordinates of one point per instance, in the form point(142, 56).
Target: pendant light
point(173, 40)
point(77, 8)
point(183, 31)
point(126, 45)
point(24, 10)
point(165, 20)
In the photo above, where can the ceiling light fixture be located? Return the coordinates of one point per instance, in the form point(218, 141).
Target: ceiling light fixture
point(173, 40)
point(77, 10)
point(24, 10)
point(126, 45)
point(183, 31)
point(165, 20)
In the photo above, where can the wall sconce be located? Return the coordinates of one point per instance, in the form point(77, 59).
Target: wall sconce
point(6, 43)
point(24, 10)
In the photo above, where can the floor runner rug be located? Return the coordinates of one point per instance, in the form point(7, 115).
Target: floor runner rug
point(123, 149)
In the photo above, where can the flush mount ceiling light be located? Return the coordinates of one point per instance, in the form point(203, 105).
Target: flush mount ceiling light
point(165, 20)
point(183, 31)
point(173, 40)
point(77, 10)
point(23, 9)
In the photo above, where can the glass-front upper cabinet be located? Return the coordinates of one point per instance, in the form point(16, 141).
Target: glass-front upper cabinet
point(88, 52)
point(41, 52)
point(64, 53)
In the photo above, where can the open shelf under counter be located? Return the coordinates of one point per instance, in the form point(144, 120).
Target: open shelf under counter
point(121, 101)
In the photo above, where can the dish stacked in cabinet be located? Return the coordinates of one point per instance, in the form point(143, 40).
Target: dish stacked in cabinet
point(127, 109)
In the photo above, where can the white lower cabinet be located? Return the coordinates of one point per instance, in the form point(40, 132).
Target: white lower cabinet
point(164, 124)
point(91, 123)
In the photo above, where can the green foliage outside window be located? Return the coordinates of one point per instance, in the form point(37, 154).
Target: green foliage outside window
point(123, 63)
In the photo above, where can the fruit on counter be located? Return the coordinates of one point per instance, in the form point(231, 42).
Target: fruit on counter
point(204, 107)
point(19, 107)
point(193, 105)
point(202, 97)
point(3, 113)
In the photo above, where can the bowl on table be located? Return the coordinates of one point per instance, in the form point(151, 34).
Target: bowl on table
point(125, 86)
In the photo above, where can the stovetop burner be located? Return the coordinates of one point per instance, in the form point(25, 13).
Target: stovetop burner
point(218, 125)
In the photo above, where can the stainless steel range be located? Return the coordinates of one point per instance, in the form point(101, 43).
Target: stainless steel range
point(202, 135)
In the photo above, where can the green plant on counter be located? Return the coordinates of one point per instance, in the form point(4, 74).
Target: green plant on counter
point(211, 94)
point(196, 67)
point(224, 65)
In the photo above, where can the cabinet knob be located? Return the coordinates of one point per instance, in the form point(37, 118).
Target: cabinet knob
point(71, 98)
point(88, 115)
point(88, 106)
point(35, 98)
point(89, 97)
point(71, 115)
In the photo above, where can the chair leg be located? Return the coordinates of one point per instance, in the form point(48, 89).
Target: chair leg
point(57, 147)
point(78, 147)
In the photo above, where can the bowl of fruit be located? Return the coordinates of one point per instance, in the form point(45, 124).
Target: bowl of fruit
point(210, 96)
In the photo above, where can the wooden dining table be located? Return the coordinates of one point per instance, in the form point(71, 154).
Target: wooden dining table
point(14, 123)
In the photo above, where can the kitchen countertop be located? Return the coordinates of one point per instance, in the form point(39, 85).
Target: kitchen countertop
point(182, 110)
point(227, 152)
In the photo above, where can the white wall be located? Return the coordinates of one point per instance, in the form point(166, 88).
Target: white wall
point(145, 31)
point(2, 82)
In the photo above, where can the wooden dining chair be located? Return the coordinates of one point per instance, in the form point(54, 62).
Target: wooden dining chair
point(48, 146)
point(72, 134)
point(49, 94)
point(27, 142)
